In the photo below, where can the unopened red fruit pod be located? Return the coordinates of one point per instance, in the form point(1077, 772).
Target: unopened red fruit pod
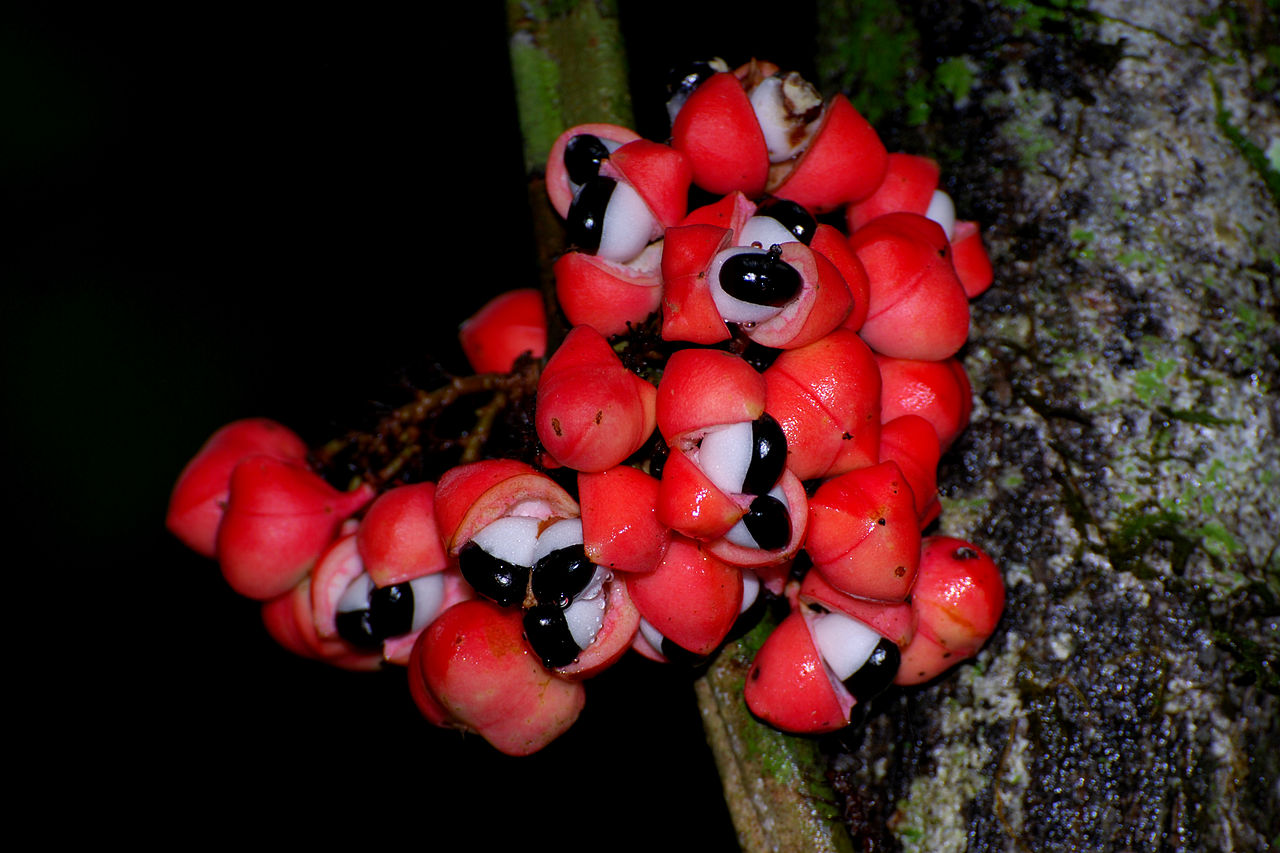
point(958, 599)
point(508, 326)
point(864, 535)
point(938, 391)
point(592, 412)
point(480, 676)
point(790, 688)
point(826, 398)
point(719, 132)
point(702, 388)
point(398, 539)
point(845, 162)
point(917, 306)
point(607, 296)
point(279, 520)
point(689, 311)
point(911, 442)
point(200, 493)
point(620, 526)
point(692, 598)
point(909, 183)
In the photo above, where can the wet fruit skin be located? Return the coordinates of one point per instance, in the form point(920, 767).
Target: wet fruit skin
point(507, 326)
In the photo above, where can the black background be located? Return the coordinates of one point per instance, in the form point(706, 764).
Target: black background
point(224, 211)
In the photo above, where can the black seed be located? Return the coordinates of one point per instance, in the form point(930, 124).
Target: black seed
point(768, 522)
point(495, 579)
point(792, 216)
point(391, 609)
point(548, 634)
point(585, 222)
point(356, 627)
point(683, 80)
point(759, 278)
point(876, 674)
point(768, 455)
point(583, 156)
point(561, 575)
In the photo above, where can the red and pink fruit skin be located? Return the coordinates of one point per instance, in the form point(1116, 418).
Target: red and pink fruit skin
point(592, 412)
point(823, 303)
point(826, 398)
point(559, 188)
point(789, 686)
point(398, 539)
point(607, 296)
point(893, 620)
point(844, 163)
point(620, 526)
point(475, 672)
point(279, 520)
point(470, 497)
point(717, 129)
point(703, 388)
point(731, 212)
point(908, 185)
point(917, 306)
point(756, 558)
point(659, 173)
point(508, 326)
point(864, 535)
point(200, 494)
point(689, 311)
point(973, 265)
point(690, 504)
point(938, 391)
point(910, 441)
point(692, 598)
point(834, 246)
point(958, 599)
point(289, 620)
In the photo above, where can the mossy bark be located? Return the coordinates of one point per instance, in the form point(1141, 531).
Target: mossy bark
point(1123, 458)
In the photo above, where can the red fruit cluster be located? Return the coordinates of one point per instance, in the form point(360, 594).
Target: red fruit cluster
point(788, 452)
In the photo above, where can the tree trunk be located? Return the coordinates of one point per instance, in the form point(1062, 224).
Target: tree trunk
point(1123, 458)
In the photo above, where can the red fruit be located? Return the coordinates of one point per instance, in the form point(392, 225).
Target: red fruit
point(937, 391)
point(911, 442)
point(605, 295)
point(692, 598)
point(973, 267)
point(917, 309)
point(705, 388)
point(864, 535)
point(894, 620)
point(470, 497)
point(477, 674)
point(592, 412)
point(834, 246)
point(398, 538)
point(689, 503)
point(504, 329)
point(909, 183)
point(289, 620)
point(200, 495)
point(689, 312)
point(660, 174)
point(718, 130)
point(797, 503)
point(559, 188)
point(279, 519)
point(789, 686)
point(958, 599)
point(620, 527)
point(845, 162)
point(826, 397)
point(823, 303)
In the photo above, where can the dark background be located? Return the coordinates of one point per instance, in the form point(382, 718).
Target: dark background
point(225, 211)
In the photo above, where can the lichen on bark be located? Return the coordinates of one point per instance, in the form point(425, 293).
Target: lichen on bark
point(1122, 461)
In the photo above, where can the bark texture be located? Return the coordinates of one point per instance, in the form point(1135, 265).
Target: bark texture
point(1123, 458)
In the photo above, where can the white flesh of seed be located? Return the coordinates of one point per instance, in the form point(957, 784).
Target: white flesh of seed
point(562, 534)
point(428, 595)
point(725, 455)
point(731, 309)
point(942, 211)
point(740, 535)
point(764, 231)
point(511, 538)
point(750, 589)
point(651, 635)
point(356, 596)
point(843, 642)
point(771, 113)
point(628, 224)
point(586, 614)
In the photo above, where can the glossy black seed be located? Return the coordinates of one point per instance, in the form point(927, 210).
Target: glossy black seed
point(679, 655)
point(768, 455)
point(876, 674)
point(356, 627)
point(548, 634)
point(495, 579)
point(761, 278)
point(585, 222)
point(686, 78)
point(561, 575)
point(792, 216)
point(582, 157)
point(391, 609)
point(768, 522)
